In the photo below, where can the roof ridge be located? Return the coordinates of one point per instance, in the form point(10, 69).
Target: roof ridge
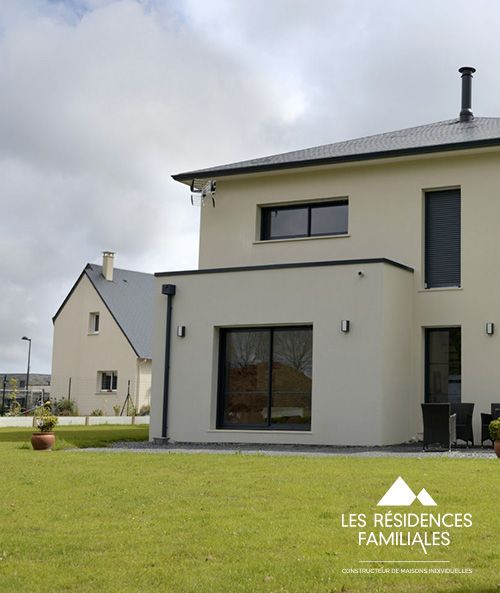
point(92, 266)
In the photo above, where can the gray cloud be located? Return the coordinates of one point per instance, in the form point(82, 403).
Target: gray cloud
point(103, 100)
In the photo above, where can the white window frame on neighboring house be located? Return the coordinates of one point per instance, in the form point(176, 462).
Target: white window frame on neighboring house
point(94, 323)
point(111, 379)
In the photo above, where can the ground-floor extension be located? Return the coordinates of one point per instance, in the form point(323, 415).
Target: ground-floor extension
point(321, 353)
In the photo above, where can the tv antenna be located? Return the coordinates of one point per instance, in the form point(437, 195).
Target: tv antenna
point(201, 189)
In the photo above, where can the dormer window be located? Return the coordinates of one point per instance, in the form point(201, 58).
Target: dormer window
point(94, 323)
point(314, 219)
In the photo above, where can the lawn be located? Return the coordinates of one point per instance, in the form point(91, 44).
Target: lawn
point(84, 522)
point(80, 436)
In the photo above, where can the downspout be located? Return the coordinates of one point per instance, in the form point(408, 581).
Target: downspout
point(169, 290)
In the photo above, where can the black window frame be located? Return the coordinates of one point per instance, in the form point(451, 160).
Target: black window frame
point(265, 220)
point(428, 331)
point(222, 380)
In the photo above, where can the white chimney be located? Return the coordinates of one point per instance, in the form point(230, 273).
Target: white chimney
point(107, 264)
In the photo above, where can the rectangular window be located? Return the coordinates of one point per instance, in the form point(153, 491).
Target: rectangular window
point(442, 238)
point(265, 378)
point(94, 323)
point(304, 220)
point(108, 380)
point(443, 365)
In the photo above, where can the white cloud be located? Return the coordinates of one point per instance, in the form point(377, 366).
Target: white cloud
point(103, 100)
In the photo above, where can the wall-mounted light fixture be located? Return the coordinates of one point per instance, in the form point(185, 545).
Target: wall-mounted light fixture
point(490, 328)
point(345, 325)
point(181, 331)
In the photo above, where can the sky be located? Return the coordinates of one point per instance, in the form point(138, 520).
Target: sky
point(103, 100)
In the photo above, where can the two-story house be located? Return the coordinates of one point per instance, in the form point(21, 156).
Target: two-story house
point(338, 288)
point(101, 355)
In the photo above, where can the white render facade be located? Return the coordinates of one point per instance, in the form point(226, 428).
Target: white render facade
point(367, 383)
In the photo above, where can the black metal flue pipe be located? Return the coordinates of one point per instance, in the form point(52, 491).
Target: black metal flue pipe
point(466, 111)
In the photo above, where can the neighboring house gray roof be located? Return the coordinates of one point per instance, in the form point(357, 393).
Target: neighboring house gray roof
point(436, 137)
point(129, 299)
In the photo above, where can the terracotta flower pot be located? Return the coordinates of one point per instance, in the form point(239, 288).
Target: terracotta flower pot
point(496, 446)
point(43, 441)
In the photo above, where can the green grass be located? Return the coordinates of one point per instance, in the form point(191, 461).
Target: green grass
point(80, 436)
point(84, 522)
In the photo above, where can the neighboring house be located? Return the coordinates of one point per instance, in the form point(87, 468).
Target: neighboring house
point(339, 287)
point(39, 388)
point(38, 381)
point(103, 339)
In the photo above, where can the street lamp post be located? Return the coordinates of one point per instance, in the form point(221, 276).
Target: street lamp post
point(28, 369)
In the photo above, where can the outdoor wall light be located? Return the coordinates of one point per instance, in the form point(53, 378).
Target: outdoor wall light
point(181, 331)
point(345, 325)
point(490, 328)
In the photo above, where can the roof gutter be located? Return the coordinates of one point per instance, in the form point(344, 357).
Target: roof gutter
point(350, 158)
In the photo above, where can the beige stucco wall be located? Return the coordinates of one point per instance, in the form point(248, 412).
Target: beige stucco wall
point(386, 218)
point(351, 392)
point(143, 391)
point(385, 211)
point(81, 356)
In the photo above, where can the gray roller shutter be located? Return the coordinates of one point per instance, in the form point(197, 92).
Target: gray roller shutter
point(442, 238)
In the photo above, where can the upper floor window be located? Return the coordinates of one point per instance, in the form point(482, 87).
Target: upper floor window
point(94, 323)
point(442, 238)
point(304, 220)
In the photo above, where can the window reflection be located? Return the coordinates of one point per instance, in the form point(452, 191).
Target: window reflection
point(329, 220)
point(267, 378)
point(288, 222)
point(444, 365)
point(321, 218)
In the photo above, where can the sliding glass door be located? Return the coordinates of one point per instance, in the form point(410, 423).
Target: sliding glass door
point(265, 378)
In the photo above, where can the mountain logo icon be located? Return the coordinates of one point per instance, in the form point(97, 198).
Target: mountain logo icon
point(401, 495)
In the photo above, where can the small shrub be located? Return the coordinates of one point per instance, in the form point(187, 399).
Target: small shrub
point(131, 409)
point(145, 410)
point(116, 410)
point(14, 406)
point(66, 407)
point(45, 421)
point(494, 428)
point(97, 412)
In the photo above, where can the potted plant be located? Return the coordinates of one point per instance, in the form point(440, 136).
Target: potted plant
point(44, 439)
point(494, 428)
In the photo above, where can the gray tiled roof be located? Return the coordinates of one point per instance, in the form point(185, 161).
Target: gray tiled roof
point(444, 135)
point(129, 298)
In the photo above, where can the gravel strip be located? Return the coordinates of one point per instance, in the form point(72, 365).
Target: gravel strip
point(404, 450)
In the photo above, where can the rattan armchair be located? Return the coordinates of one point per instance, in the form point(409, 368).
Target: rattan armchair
point(439, 426)
point(464, 414)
